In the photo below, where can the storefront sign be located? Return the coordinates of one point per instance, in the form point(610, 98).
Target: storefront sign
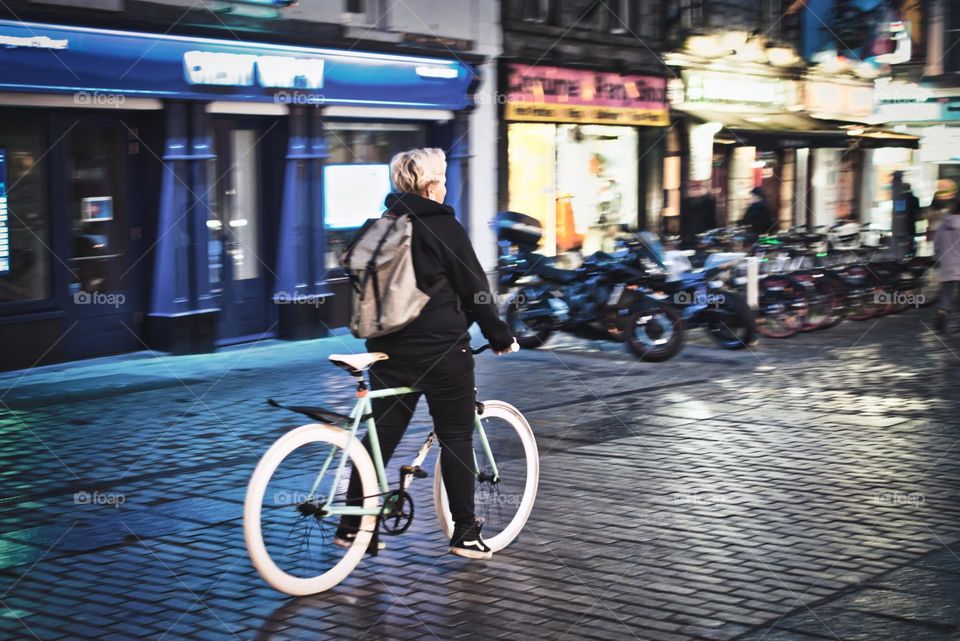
point(553, 94)
point(98, 61)
point(840, 101)
point(241, 70)
point(4, 224)
point(712, 87)
point(34, 42)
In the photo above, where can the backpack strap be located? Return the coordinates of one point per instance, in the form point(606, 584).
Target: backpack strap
point(371, 271)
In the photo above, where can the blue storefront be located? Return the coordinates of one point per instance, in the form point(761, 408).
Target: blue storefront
point(181, 193)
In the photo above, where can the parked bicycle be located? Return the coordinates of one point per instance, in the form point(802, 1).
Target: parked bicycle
point(297, 492)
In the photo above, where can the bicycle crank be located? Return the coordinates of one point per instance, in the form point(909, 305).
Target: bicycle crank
point(396, 515)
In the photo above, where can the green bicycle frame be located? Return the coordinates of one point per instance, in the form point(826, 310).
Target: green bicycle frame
point(364, 408)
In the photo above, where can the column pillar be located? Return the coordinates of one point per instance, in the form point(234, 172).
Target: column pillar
point(301, 293)
point(182, 319)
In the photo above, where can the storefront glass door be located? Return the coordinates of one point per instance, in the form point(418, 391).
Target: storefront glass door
point(234, 247)
point(101, 274)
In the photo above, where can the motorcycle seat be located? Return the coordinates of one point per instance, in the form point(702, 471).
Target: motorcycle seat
point(542, 267)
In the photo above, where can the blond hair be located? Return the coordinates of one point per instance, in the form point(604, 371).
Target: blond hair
point(416, 169)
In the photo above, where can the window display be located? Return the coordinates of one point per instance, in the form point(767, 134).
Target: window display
point(96, 158)
point(24, 243)
point(590, 173)
point(356, 176)
point(354, 193)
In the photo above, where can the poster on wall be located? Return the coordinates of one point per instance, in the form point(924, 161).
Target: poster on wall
point(4, 224)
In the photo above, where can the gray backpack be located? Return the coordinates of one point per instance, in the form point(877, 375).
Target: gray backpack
point(380, 265)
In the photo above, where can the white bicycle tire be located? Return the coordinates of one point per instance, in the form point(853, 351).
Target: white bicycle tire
point(507, 412)
point(252, 532)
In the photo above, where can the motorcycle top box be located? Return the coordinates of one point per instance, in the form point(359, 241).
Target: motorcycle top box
point(518, 229)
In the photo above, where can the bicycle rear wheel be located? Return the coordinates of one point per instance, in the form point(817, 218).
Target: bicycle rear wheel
point(289, 534)
point(504, 502)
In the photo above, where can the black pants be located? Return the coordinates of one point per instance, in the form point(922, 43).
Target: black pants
point(448, 384)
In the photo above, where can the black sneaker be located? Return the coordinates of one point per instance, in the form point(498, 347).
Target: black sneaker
point(466, 542)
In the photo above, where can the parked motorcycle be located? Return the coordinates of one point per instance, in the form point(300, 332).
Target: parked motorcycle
point(603, 298)
point(705, 297)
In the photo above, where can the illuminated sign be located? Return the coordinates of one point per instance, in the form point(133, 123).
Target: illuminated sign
point(888, 91)
point(34, 42)
point(728, 88)
point(554, 94)
point(225, 69)
point(243, 70)
point(852, 102)
point(4, 225)
point(169, 66)
point(907, 112)
point(294, 73)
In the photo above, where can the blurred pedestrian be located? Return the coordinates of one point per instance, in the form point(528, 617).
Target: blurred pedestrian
point(759, 215)
point(946, 244)
point(698, 213)
point(912, 216)
point(944, 199)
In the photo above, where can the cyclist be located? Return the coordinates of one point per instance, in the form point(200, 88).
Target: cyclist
point(432, 353)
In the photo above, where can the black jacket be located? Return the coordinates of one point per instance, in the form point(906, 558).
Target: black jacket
point(759, 218)
point(441, 250)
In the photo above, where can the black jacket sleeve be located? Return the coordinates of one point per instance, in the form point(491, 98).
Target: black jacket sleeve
point(470, 283)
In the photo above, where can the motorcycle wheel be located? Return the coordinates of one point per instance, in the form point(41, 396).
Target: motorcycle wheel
point(530, 335)
point(655, 335)
point(737, 328)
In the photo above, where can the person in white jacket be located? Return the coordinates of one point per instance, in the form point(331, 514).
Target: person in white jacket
point(946, 244)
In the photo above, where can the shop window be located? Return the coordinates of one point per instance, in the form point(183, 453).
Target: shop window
point(621, 16)
point(96, 204)
point(952, 40)
point(368, 12)
point(24, 217)
point(356, 175)
point(233, 214)
point(649, 19)
point(580, 181)
point(537, 10)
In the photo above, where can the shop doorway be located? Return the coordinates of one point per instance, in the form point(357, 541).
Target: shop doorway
point(103, 197)
point(238, 271)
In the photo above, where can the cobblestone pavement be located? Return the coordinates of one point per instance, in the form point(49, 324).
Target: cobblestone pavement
point(804, 489)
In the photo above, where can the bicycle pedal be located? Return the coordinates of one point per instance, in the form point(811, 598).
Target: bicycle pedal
point(417, 471)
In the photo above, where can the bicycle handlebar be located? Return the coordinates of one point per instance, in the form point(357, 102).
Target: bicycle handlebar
point(514, 347)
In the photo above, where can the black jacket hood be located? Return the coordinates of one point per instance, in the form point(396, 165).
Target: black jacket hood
point(415, 205)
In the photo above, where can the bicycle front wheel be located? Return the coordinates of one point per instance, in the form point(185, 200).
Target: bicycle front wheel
point(289, 520)
point(503, 498)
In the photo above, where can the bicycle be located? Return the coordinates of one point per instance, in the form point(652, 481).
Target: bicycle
point(290, 514)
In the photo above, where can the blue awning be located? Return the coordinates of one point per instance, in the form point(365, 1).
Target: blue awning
point(96, 63)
